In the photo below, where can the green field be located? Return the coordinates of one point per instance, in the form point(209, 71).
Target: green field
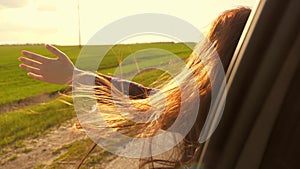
point(32, 121)
point(16, 85)
point(35, 120)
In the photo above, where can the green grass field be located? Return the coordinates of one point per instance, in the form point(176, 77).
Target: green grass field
point(16, 85)
point(33, 121)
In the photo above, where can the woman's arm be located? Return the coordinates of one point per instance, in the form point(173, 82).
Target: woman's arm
point(60, 71)
point(132, 89)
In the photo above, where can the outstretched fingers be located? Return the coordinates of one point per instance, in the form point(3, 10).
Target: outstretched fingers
point(30, 69)
point(36, 76)
point(30, 62)
point(36, 57)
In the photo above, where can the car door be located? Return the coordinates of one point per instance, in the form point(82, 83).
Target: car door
point(260, 127)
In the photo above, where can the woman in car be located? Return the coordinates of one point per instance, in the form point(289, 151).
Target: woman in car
point(223, 37)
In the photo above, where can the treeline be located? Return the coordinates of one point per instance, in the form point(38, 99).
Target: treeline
point(41, 44)
point(23, 44)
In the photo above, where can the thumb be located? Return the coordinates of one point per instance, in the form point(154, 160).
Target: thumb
point(61, 56)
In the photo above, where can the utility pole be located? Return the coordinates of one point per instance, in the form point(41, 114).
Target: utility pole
point(79, 32)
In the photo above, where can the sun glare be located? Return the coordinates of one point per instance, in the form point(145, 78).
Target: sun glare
point(56, 21)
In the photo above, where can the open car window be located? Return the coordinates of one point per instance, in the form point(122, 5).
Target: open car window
point(260, 126)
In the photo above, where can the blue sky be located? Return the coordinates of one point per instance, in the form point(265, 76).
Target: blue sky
point(56, 21)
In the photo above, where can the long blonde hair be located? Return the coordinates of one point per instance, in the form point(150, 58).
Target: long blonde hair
point(223, 37)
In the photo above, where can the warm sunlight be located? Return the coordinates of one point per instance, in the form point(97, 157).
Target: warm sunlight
point(56, 21)
point(160, 84)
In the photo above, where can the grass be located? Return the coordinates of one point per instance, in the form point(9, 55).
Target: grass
point(11, 158)
point(26, 150)
point(32, 121)
point(75, 151)
point(147, 78)
point(18, 86)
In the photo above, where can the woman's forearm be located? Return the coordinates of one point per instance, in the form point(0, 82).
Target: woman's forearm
point(129, 88)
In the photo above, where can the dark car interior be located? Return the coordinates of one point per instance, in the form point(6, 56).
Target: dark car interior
point(260, 127)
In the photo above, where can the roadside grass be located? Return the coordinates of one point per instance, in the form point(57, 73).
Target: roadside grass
point(32, 121)
point(11, 158)
point(71, 155)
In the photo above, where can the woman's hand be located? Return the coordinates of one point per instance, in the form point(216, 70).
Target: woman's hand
point(56, 71)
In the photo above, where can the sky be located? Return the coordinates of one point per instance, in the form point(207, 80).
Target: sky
point(56, 21)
